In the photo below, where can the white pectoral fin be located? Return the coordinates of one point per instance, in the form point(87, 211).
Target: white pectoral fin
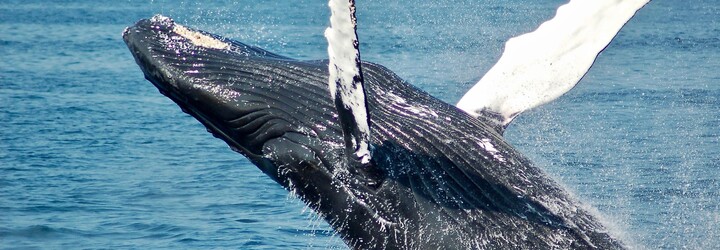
point(542, 65)
point(346, 80)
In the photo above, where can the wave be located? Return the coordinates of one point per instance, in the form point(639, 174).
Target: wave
point(42, 232)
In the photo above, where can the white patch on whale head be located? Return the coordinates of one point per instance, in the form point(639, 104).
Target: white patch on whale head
point(200, 39)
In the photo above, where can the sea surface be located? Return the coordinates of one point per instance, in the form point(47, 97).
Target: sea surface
point(92, 156)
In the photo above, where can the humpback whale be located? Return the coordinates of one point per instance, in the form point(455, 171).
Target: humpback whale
point(411, 172)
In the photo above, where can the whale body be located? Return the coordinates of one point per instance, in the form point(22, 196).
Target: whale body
point(440, 178)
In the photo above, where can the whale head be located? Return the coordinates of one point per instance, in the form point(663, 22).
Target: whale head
point(255, 101)
point(274, 110)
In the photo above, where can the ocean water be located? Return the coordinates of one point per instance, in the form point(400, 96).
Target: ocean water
point(92, 156)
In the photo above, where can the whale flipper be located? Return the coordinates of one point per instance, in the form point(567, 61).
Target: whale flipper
point(346, 81)
point(542, 65)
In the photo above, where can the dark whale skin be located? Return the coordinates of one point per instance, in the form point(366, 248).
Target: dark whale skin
point(440, 179)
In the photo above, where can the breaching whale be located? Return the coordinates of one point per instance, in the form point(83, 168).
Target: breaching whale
point(437, 178)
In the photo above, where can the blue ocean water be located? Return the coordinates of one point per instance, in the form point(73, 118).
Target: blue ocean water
point(92, 156)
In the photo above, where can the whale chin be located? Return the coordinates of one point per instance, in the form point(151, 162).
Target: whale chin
point(439, 177)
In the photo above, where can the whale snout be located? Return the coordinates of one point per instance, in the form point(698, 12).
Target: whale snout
point(188, 66)
point(262, 104)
